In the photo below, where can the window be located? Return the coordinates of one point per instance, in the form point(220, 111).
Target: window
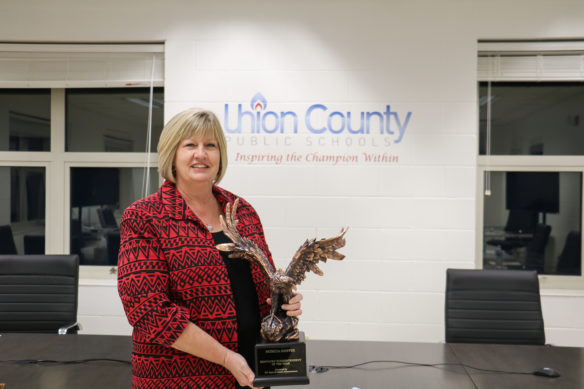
point(111, 120)
point(531, 219)
point(76, 137)
point(26, 119)
point(22, 210)
point(532, 118)
point(531, 159)
point(98, 198)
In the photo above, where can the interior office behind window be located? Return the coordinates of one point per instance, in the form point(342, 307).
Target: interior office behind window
point(112, 121)
point(24, 126)
point(532, 214)
point(74, 125)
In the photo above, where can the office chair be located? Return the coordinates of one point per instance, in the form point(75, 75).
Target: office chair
point(34, 244)
point(106, 218)
point(569, 259)
point(7, 245)
point(493, 306)
point(112, 239)
point(38, 293)
point(535, 248)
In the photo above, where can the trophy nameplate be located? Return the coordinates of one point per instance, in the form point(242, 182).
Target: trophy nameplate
point(281, 363)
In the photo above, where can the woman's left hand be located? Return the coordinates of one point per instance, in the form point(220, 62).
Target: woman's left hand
point(293, 306)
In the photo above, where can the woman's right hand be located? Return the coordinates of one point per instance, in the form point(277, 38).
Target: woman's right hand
point(237, 365)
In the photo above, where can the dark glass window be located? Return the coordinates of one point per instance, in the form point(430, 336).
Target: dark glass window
point(98, 198)
point(22, 210)
point(25, 119)
point(532, 220)
point(112, 120)
point(533, 118)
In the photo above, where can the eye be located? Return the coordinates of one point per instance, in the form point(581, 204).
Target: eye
point(211, 145)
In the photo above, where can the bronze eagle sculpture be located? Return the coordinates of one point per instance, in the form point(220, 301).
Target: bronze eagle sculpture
point(277, 325)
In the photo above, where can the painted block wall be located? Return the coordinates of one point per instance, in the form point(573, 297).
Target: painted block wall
point(409, 220)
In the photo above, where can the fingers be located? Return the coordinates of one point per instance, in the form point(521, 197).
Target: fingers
point(293, 306)
point(292, 310)
point(297, 298)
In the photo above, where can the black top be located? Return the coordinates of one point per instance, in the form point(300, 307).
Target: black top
point(246, 301)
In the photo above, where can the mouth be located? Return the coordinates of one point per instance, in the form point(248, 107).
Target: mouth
point(199, 166)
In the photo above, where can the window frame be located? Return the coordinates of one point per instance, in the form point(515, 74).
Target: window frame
point(503, 164)
point(58, 163)
point(524, 162)
point(69, 159)
point(148, 70)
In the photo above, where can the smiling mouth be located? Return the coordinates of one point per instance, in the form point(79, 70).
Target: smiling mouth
point(199, 166)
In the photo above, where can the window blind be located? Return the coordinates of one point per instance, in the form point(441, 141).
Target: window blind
point(531, 61)
point(80, 65)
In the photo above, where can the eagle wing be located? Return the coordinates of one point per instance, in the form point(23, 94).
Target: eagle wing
point(242, 247)
point(311, 252)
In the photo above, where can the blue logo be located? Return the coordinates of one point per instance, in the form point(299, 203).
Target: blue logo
point(258, 102)
point(318, 119)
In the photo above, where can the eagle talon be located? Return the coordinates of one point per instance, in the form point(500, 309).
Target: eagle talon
point(294, 335)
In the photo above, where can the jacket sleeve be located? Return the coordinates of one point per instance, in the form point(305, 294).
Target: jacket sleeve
point(143, 282)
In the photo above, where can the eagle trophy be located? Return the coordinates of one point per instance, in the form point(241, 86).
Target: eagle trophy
point(277, 325)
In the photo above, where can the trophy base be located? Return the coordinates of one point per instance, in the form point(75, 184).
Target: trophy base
point(279, 364)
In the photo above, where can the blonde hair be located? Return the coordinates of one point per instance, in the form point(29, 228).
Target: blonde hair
point(188, 123)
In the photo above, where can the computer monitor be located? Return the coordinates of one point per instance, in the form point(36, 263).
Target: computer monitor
point(533, 191)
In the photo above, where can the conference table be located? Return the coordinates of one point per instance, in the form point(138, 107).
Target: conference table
point(399, 364)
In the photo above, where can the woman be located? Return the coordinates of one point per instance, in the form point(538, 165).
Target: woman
point(196, 314)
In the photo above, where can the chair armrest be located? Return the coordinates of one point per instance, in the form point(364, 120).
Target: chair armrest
point(65, 329)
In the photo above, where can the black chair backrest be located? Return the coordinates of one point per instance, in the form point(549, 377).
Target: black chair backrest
point(493, 306)
point(38, 293)
point(106, 218)
point(34, 244)
point(7, 245)
point(112, 240)
point(569, 260)
point(535, 248)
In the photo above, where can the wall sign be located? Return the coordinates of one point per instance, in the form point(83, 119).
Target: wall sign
point(317, 134)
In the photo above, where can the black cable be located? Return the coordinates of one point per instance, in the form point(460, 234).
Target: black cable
point(325, 368)
point(55, 362)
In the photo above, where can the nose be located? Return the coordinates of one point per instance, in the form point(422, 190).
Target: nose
point(199, 151)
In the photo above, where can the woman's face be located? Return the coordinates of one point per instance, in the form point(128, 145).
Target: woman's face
point(197, 160)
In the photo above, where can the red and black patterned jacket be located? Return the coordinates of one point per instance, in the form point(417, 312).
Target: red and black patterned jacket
point(169, 272)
